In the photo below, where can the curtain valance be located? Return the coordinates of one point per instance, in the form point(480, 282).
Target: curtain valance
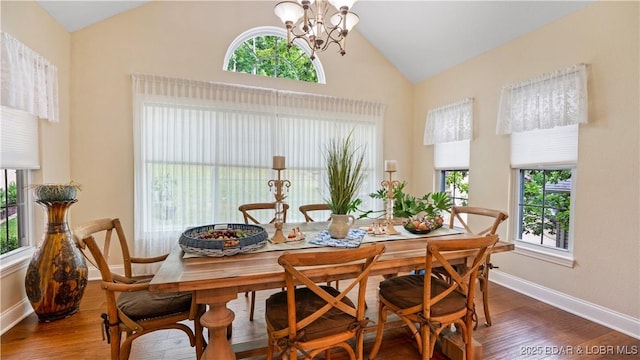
point(452, 122)
point(247, 98)
point(29, 81)
point(554, 99)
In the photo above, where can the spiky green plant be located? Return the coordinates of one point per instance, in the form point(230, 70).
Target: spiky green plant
point(345, 174)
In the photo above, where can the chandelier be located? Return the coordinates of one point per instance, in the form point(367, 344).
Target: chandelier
point(303, 22)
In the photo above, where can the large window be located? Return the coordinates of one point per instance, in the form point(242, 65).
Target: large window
point(198, 158)
point(264, 51)
point(13, 210)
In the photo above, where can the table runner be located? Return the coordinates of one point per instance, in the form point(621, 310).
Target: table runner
point(368, 238)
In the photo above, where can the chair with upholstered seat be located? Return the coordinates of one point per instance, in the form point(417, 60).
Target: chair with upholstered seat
point(306, 209)
point(131, 309)
point(488, 220)
point(311, 318)
point(250, 214)
point(427, 304)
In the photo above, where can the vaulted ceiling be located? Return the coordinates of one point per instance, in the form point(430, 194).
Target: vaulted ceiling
point(421, 38)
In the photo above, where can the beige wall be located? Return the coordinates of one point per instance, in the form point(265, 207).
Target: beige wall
point(156, 39)
point(53, 42)
point(607, 250)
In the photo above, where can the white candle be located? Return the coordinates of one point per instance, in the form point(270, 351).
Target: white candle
point(390, 165)
point(278, 163)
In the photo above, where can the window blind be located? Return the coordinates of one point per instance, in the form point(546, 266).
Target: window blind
point(18, 140)
point(536, 148)
point(451, 155)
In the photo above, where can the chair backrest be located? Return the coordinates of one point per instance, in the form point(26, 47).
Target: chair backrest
point(311, 268)
point(84, 236)
point(496, 217)
point(462, 279)
point(245, 209)
point(305, 209)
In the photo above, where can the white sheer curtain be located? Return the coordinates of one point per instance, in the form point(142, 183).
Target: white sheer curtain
point(202, 149)
point(29, 81)
point(452, 122)
point(450, 128)
point(555, 99)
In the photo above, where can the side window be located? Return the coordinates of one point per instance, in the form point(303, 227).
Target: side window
point(264, 51)
point(13, 210)
point(456, 184)
point(544, 207)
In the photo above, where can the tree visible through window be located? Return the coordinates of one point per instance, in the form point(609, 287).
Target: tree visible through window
point(545, 204)
point(269, 55)
point(456, 183)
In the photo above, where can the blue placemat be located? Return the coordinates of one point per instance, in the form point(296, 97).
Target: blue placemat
point(353, 239)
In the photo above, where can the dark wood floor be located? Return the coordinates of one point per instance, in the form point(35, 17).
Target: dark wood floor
point(523, 329)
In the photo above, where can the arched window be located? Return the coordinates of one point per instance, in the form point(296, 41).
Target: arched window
point(263, 51)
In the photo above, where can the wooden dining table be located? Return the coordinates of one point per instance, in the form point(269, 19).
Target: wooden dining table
point(217, 280)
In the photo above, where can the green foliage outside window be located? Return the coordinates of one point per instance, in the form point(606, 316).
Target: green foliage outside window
point(8, 226)
point(270, 56)
point(457, 183)
point(545, 211)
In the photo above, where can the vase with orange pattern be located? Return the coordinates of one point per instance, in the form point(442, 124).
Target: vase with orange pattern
point(57, 273)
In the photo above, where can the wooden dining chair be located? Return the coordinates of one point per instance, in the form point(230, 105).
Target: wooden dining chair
point(427, 304)
point(311, 318)
point(488, 221)
point(250, 211)
point(306, 209)
point(249, 214)
point(131, 309)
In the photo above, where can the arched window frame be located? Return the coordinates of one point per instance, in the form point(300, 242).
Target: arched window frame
point(272, 31)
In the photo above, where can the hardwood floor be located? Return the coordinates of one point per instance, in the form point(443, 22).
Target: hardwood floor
point(523, 328)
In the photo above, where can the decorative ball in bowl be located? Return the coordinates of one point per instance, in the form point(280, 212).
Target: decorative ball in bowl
point(223, 239)
point(55, 192)
point(423, 225)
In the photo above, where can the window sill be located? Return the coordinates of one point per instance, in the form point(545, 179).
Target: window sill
point(541, 253)
point(15, 260)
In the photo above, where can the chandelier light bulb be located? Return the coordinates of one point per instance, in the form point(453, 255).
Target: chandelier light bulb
point(288, 11)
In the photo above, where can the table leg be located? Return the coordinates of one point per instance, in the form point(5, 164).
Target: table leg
point(216, 319)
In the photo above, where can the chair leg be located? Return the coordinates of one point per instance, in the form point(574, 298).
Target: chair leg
point(484, 287)
point(229, 331)
point(199, 335)
point(252, 305)
point(115, 334)
point(425, 334)
point(382, 318)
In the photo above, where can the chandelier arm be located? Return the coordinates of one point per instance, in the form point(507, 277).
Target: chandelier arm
point(316, 31)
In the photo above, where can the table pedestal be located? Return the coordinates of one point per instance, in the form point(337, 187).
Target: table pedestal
point(217, 319)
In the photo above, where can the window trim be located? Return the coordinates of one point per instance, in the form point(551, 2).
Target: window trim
point(553, 255)
point(15, 260)
point(273, 31)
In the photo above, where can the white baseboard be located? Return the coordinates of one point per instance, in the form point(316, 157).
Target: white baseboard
point(12, 316)
point(593, 312)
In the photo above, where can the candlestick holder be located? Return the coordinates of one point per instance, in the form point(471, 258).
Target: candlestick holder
point(278, 185)
point(390, 184)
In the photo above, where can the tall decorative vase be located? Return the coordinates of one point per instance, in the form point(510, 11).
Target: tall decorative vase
point(339, 225)
point(57, 274)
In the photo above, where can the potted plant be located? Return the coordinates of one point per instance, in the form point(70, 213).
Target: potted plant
point(406, 205)
point(345, 174)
